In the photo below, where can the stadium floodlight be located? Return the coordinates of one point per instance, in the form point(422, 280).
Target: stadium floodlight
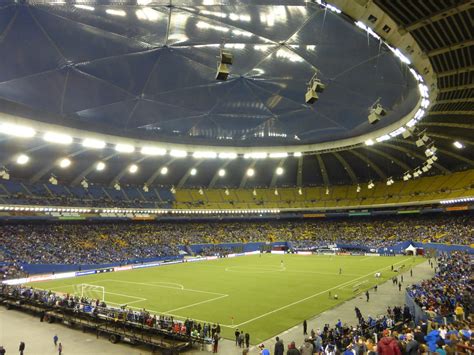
point(115, 12)
point(278, 155)
point(164, 170)
point(84, 183)
point(64, 163)
point(250, 172)
point(153, 151)
point(314, 87)
point(458, 145)
point(370, 185)
point(376, 112)
point(57, 138)
point(390, 181)
point(297, 154)
point(173, 190)
point(422, 140)
point(145, 188)
point(276, 192)
point(225, 155)
point(255, 155)
point(227, 192)
point(204, 155)
point(279, 170)
point(201, 191)
point(132, 169)
point(124, 148)
point(254, 192)
point(358, 188)
point(430, 151)
point(300, 191)
point(93, 143)
point(327, 190)
point(17, 130)
point(193, 171)
point(84, 7)
point(4, 174)
point(407, 176)
point(176, 153)
point(100, 166)
point(369, 142)
point(22, 159)
point(52, 180)
point(221, 172)
point(117, 186)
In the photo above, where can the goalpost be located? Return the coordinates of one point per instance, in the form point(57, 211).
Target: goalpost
point(90, 291)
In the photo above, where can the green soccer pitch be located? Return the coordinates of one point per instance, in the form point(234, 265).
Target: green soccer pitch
point(263, 295)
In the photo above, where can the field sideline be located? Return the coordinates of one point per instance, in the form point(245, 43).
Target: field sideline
point(261, 295)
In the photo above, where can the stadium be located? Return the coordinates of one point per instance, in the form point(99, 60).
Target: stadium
point(236, 177)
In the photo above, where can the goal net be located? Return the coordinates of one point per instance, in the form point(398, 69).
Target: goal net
point(93, 292)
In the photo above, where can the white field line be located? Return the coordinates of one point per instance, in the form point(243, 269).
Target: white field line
point(195, 304)
point(162, 286)
point(168, 283)
point(314, 295)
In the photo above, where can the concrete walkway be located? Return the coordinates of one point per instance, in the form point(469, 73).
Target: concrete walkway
point(16, 326)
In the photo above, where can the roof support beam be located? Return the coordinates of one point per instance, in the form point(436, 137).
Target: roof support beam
point(243, 182)
point(216, 174)
point(391, 158)
point(457, 112)
point(124, 171)
point(186, 176)
point(322, 167)
point(449, 137)
point(455, 101)
point(48, 168)
point(275, 176)
point(447, 124)
point(422, 158)
point(299, 172)
point(347, 167)
point(456, 88)
point(457, 8)
point(450, 48)
point(371, 164)
point(157, 172)
point(456, 71)
point(90, 169)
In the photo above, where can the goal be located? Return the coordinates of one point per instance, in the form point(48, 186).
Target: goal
point(90, 291)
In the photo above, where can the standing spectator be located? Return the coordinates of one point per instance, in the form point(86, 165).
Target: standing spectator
point(60, 349)
point(305, 327)
point(279, 347)
point(237, 334)
point(21, 348)
point(412, 345)
point(400, 286)
point(241, 339)
point(263, 350)
point(2, 350)
point(292, 350)
point(247, 340)
point(367, 295)
point(459, 311)
point(307, 348)
point(55, 340)
point(216, 342)
point(388, 345)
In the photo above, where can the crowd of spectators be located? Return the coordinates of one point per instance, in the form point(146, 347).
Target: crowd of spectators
point(450, 290)
point(101, 243)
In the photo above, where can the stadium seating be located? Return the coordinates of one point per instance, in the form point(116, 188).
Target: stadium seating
point(433, 188)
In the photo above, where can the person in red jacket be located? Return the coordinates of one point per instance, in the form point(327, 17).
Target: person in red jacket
point(388, 345)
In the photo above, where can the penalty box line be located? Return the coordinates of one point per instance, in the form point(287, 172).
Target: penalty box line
point(314, 295)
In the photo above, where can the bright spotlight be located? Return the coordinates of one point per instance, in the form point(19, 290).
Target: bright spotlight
point(193, 171)
point(64, 163)
point(221, 172)
point(100, 166)
point(17, 130)
point(93, 143)
point(133, 168)
point(58, 138)
point(250, 172)
point(164, 170)
point(279, 170)
point(22, 159)
point(124, 148)
point(458, 145)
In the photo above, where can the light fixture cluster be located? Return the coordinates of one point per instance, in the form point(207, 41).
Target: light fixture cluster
point(457, 200)
point(44, 209)
point(370, 185)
